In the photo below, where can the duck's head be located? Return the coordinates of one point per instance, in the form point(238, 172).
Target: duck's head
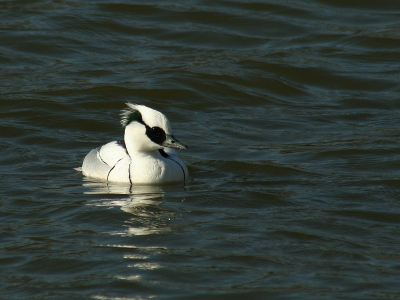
point(147, 129)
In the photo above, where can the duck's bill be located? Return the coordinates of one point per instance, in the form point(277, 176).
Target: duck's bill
point(172, 142)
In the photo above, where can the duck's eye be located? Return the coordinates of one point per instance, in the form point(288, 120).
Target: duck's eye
point(156, 134)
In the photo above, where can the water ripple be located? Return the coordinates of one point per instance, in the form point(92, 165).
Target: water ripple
point(289, 109)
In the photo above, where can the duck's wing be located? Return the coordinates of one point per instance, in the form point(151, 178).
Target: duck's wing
point(99, 162)
point(112, 152)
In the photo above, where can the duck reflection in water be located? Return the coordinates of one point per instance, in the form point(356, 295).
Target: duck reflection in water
point(142, 202)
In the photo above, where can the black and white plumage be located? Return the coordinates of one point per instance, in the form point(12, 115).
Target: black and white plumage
point(145, 156)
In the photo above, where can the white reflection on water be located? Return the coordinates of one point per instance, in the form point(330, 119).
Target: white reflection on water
point(141, 202)
point(143, 213)
point(99, 187)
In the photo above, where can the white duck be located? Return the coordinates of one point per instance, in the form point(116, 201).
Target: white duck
point(141, 157)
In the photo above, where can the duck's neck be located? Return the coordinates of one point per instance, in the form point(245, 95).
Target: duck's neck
point(136, 140)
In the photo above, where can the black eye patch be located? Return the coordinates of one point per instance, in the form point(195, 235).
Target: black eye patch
point(156, 134)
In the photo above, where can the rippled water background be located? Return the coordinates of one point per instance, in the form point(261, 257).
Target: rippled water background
point(291, 113)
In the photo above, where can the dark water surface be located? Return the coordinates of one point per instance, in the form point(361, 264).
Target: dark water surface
point(291, 113)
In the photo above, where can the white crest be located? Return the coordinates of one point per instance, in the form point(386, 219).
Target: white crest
point(146, 115)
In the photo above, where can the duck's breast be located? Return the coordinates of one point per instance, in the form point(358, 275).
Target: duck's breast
point(157, 169)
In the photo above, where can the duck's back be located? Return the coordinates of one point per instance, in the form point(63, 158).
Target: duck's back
point(109, 162)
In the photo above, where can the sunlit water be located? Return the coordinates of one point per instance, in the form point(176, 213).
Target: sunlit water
point(290, 110)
